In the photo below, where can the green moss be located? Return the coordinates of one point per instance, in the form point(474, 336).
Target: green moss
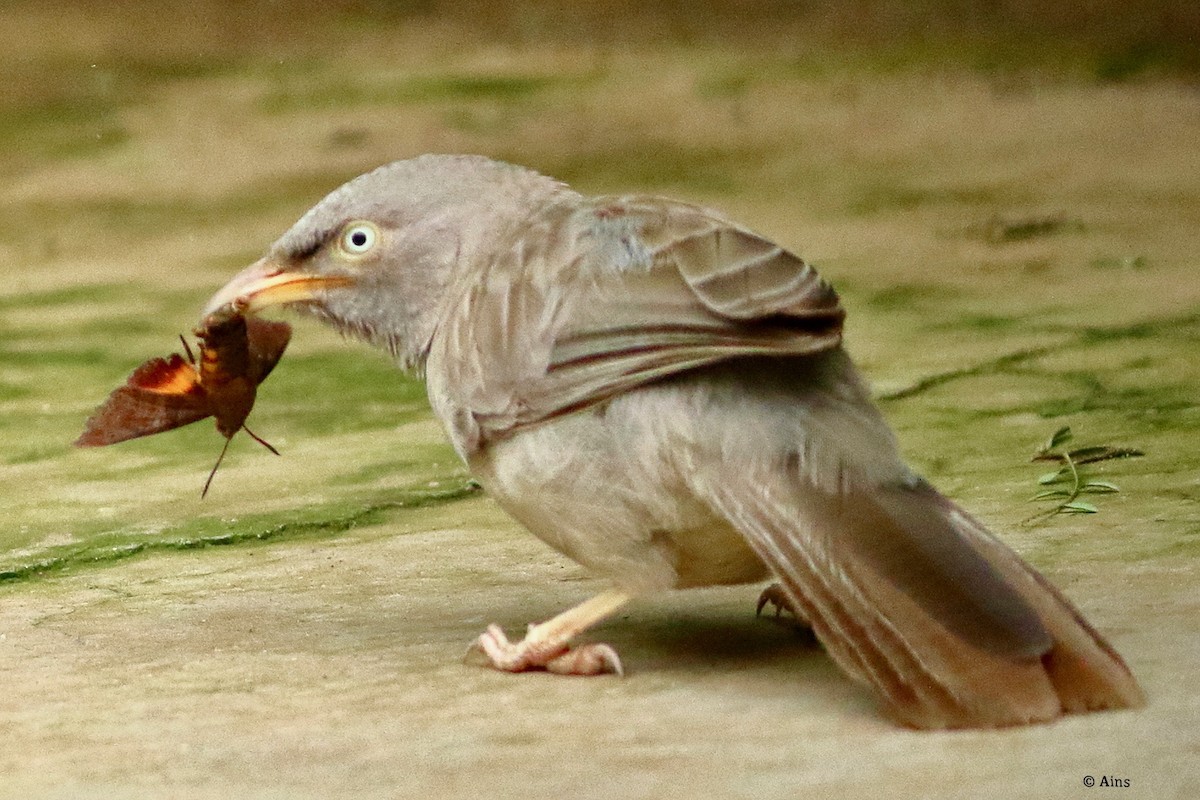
point(139, 69)
point(1136, 58)
point(416, 459)
point(59, 128)
point(47, 359)
point(655, 164)
point(726, 84)
point(907, 296)
point(329, 520)
point(152, 217)
point(345, 92)
point(1124, 263)
point(987, 322)
point(876, 199)
point(342, 391)
point(69, 295)
point(1008, 229)
point(13, 391)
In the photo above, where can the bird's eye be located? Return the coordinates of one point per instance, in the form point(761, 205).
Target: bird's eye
point(359, 237)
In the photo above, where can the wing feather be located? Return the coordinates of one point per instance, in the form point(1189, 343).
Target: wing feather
point(593, 298)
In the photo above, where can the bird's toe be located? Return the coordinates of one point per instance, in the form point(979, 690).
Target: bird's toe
point(774, 595)
point(588, 659)
point(495, 649)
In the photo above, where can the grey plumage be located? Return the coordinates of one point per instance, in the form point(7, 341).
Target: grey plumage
point(662, 395)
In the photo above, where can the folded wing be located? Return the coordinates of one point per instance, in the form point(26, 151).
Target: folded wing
point(593, 299)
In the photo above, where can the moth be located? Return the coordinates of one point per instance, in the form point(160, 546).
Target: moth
point(236, 355)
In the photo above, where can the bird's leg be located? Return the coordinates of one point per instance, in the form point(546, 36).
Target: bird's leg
point(775, 595)
point(547, 644)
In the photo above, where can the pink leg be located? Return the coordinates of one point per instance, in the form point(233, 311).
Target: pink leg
point(547, 644)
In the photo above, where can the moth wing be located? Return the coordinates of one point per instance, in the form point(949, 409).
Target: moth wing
point(267, 341)
point(160, 395)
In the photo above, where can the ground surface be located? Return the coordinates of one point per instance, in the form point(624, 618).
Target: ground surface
point(1017, 246)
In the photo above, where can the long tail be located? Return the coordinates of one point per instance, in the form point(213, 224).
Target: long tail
point(912, 596)
point(1086, 671)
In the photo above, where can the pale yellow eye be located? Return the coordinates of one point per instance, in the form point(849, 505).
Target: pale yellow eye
point(359, 238)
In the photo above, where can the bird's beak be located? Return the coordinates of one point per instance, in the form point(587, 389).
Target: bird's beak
point(265, 283)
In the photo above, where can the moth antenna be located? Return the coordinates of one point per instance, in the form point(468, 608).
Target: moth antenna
point(208, 482)
point(187, 348)
point(259, 439)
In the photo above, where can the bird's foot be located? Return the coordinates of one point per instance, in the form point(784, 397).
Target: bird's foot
point(775, 595)
point(535, 652)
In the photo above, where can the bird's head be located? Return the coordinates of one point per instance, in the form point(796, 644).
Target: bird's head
point(376, 257)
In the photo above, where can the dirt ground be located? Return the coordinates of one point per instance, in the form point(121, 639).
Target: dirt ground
point(1016, 241)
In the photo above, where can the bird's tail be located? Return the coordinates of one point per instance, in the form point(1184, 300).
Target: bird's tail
point(1086, 672)
point(912, 596)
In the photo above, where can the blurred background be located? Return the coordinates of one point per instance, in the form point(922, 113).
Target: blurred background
point(1006, 193)
point(977, 178)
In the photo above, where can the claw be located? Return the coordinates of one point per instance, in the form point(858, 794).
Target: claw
point(588, 659)
point(774, 595)
point(531, 654)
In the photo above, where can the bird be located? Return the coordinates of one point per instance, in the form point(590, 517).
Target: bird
point(663, 395)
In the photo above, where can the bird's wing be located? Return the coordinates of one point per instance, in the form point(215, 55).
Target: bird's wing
point(160, 395)
point(592, 299)
point(916, 599)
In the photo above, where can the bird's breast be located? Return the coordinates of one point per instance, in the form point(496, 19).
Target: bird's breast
point(589, 485)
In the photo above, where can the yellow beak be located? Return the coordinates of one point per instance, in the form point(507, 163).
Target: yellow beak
point(264, 283)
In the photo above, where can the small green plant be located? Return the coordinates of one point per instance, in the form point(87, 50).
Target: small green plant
point(1070, 482)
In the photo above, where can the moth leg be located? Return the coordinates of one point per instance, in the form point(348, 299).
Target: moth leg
point(187, 348)
point(259, 439)
point(211, 475)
